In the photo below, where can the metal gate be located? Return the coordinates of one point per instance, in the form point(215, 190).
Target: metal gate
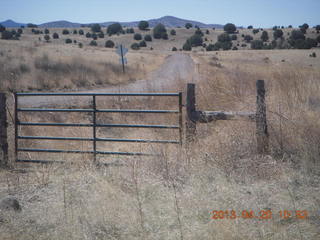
point(93, 110)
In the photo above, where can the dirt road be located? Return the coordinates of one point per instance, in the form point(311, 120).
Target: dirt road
point(177, 70)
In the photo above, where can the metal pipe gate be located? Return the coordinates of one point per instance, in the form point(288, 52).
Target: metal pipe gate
point(94, 124)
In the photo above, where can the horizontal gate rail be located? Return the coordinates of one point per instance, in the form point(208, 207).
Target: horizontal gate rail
point(102, 94)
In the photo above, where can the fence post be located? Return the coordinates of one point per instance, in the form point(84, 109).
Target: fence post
point(3, 130)
point(261, 120)
point(191, 109)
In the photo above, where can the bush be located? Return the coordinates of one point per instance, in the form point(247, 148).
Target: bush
point(224, 37)
point(2, 28)
point(96, 28)
point(188, 25)
point(313, 55)
point(210, 47)
point(46, 37)
point(143, 25)
point(109, 44)
point(304, 26)
point(174, 49)
point(31, 25)
point(46, 31)
point(297, 34)
point(224, 45)
point(278, 33)
point(93, 43)
point(142, 44)
point(74, 41)
point(20, 31)
point(303, 30)
point(290, 26)
point(68, 40)
point(88, 35)
point(114, 28)
point(250, 27)
point(187, 46)
point(257, 44)
point(317, 27)
point(148, 38)
point(248, 38)
point(81, 32)
point(311, 42)
point(229, 28)
point(80, 45)
point(160, 31)
point(264, 36)
point(195, 40)
point(173, 32)
point(101, 35)
point(234, 37)
point(65, 31)
point(130, 30)
point(165, 36)
point(207, 32)
point(55, 36)
point(6, 35)
point(318, 39)
point(255, 31)
point(137, 36)
point(234, 48)
point(135, 46)
point(94, 36)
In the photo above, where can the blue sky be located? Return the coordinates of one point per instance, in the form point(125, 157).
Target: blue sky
point(262, 13)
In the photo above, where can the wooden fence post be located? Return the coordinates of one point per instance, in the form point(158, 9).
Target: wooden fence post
point(191, 109)
point(261, 120)
point(3, 130)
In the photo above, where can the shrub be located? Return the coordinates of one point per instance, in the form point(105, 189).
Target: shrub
point(264, 36)
point(2, 28)
point(160, 31)
point(81, 32)
point(297, 34)
point(188, 25)
point(248, 38)
point(93, 43)
point(109, 44)
point(224, 37)
point(46, 31)
point(165, 36)
point(304, 26)
point(135, 46)
point(31, 25)
point(224, 45)
point(7, 35)
point(137, 36)
point(210, 47)
point(74, 41)
point(75, 31)
point(255, 31)
point(229, 28)
point(199, 32)
point(257, 44)
point(207, 31)
point(290, 26)
point(278, 33)
point(101, 35)
point(20, 31)
point(234, 37)
point(142, 44)
point(313, 55)
point(303, 30)
point(94, 36)
point(148, 38)
point(173, 32)
point(317, 27)
point(318, 39)
point(174, 49)
point(88, 35)
point(68, 40)
point(234, 48)
point(130, 30)
point(311, 42)
point(114, 28)
point(55, 36)
point(46, 37)
point(143, 25)
point(96, 28)
point(80, 45)
point(65, 31)
point(195, 40)
point(250, 27)
point(187, 46)
point(243, 45)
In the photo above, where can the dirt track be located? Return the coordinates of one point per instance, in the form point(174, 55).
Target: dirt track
point(177, 68)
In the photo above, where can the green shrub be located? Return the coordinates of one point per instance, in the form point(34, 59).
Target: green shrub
point(2, 28)
point(234, 48)
point(234, 37)
point(142, 44)
point(46, 37)
point(135, 46)
point(174, 49)
point(187, 46)
point(165, 36)
point(160, 31)
point(130, 30)
point(101, 35)
point(195, 40)
point(7, 35)
point(257, 44)
point(304, 26)
point(74, 41)
point(210, 47)
point(229, 28)
point(278, 33)
point(264, 36)
point(65, 31)
point(46, 31)
point(68, 40)
point(114, 29)
point(207, 32)
point(93, 43)
point(143, 25)
point(31, 25)
point(224, 37)
point(94, 36)
point(96, 28)
point(109, 44)
point(250, 27)
point(137, 36)
point(297, 34)
point(225, 45)
point(20, 31)
point(255, 31)
point(248, 38)
point(173, 32)
point(80, 45)
point(148, 38)
point(88, 35)
point(188, 25)
point(317, 27)
point(81, 32)
point(55, 36)
point(318, 39)
point(290, 26)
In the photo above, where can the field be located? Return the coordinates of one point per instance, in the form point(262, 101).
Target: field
point(170, 196)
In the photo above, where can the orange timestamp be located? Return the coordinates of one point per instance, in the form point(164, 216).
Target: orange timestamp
point(262, 215)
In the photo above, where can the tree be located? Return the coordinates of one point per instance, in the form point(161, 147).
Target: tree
point(257, 44)
point(96, 28)
point(207, 32)
point(210, 47)
point(20, 31)
point(317, 27)
point(81, 32)
point(31, 25)
point(68, 41)
point(195, 40)
point(65, 31)
point(2, 28)
point(199, 32)
point(229, 28)
point(137, 36)
point(255, 31)
point(187, 46)
point(174, 49)
point(46, 31)
point(234, 37)
point(75, 31)
point(93, 43)
point(264, 36)
point(160, 31)
point(55, 36)
point(305, 26)
point(80, 45)
point(173, 32)
point(318, 39)
point(278, 33)
point(250, 27)
point(46, 37)
point(142, 44)
point(109, 44)
point(224, 37)
point(143, 25)
point(114, 28)
point(101, 35)
point(6, 35)
point(135, 46)
point(148, 38)
point(297, 34)
point(290, 26)
point(188, 25)
point(94, 36)
point(88, 35)
point(248, 38)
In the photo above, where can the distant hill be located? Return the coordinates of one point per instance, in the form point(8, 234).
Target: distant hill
point(168, 21)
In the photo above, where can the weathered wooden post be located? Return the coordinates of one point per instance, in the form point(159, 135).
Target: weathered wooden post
point(191, 110)
point(261, 120)
point(3, 131)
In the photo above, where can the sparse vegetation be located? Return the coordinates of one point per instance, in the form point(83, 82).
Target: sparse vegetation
point(114, 29)
point(160, 31)
point(137, 36)
point(55, 36)
point(93, 43)
point(109, 44)
point(148, 38)
point(188, 25)
point(65, 32)
point(143, 25)
point(135, 46)
point(96, 28)
point(68, 41)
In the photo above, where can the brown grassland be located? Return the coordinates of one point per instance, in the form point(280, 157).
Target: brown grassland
point(172, 195)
